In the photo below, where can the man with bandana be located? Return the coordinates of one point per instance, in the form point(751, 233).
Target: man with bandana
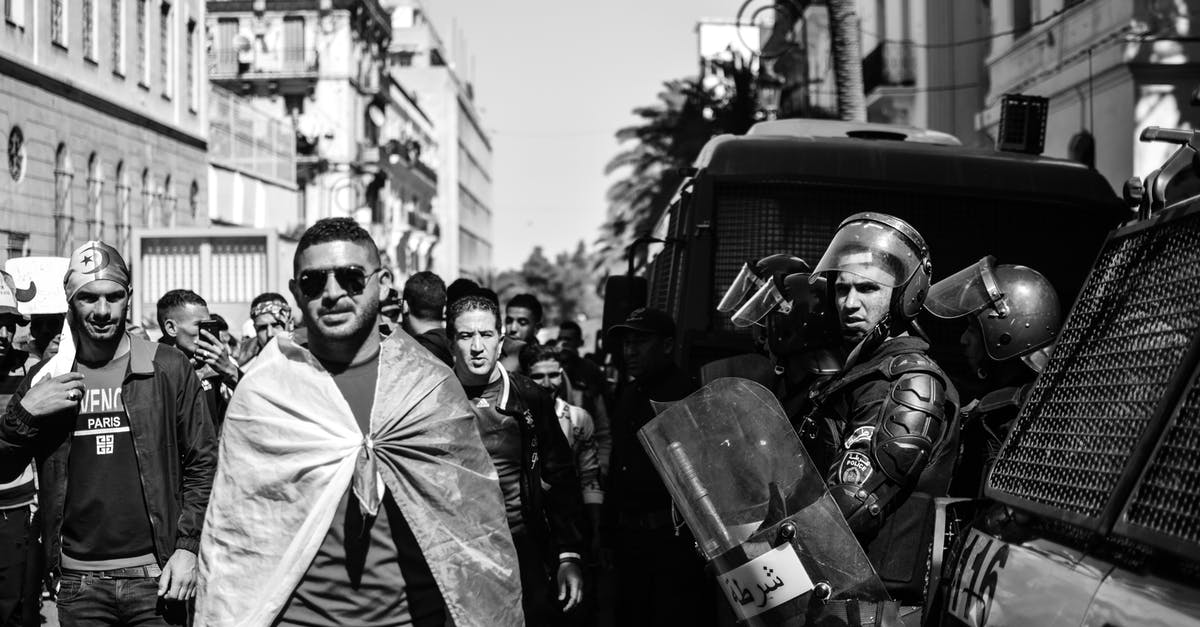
point(270, 315)
point(125, 452)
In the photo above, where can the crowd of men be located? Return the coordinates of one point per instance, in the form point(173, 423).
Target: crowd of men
point(414, 455)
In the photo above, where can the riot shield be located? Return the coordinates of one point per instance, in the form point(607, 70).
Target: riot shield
point(774, 538)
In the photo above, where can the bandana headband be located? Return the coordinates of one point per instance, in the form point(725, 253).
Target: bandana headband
point(95, 261)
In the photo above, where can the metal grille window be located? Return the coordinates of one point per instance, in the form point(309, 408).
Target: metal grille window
point(1113, 367)
point(89, 29)
point(118, 36)
point(143, 25)
point(165, 49)
point(58, 22)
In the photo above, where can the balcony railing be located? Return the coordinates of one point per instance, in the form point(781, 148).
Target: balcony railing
point(230, 63)
point(890, 64)
point(242, 138)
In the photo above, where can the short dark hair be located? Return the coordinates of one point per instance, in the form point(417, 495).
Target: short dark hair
point(570, 325)
point(425, 293)
point(471, 302)
point(489, 294)
point(267, 297)
point(335, 230)
point(534, 353)
point(527, 301)
point(176, 299)
point(459, 288)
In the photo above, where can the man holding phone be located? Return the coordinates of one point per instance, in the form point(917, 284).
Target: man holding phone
point(187, 325)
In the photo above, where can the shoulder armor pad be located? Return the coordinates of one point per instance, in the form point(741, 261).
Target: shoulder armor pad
point(912, 362)
point(911, 423)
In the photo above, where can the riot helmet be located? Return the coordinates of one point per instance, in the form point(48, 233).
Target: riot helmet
point(1016, 308)
point(886, 250)
point(784, 309)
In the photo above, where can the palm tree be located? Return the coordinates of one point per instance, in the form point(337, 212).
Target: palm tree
point(669, 137)
point(847, 60)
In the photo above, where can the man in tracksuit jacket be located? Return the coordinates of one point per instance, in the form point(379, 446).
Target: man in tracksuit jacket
point(125, 451)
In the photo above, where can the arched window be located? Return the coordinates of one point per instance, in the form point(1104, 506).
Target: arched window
point(64, 220)
point(95, 198)
point(147, 199)
point(123, 209)
point(168, 203)
point(194, 201)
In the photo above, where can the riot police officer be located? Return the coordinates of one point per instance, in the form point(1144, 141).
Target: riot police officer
point(775, 299)
point(893, 410)
point(1013, 317)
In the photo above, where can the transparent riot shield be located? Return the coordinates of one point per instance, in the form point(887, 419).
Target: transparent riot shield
point(774, 538)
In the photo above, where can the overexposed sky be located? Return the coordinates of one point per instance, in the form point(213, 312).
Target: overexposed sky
point(555, 80)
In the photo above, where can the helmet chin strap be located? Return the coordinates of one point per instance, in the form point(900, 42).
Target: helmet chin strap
point(871, 341)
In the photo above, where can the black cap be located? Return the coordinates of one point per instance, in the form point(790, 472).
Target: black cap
point(644, 320)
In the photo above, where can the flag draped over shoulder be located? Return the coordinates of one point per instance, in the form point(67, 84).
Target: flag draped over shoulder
point(291, 447)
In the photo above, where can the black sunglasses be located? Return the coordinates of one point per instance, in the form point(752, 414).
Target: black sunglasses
point(353, 279)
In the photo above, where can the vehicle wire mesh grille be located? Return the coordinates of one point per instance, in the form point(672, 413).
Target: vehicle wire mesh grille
point(1116, 357)
point(1165, 507)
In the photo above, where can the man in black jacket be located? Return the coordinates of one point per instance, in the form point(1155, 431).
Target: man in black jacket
point(424, 301)
point(125, 451)
point(532, 458)
point(660, 577)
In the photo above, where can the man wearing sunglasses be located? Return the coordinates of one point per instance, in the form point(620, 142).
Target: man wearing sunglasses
point(537, 474)
point(352, 467)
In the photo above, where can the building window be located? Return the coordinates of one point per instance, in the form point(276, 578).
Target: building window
point(14, 12)
point(18, 244)
point(118, 36)
point(194, 201)
point(64, 220)
point(293, 43)
point(165, 49)
point(1022, 17)
point(168, 201)
point(192, 96)
point(95, 198)
point(58, 22)
point(16, 154)
point(89, 29)
point(147, 199)
point(143, 34)
point(226, 61)
point(123, 209)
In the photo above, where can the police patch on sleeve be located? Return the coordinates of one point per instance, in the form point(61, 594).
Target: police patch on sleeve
point(861, 434)
point(854, 468)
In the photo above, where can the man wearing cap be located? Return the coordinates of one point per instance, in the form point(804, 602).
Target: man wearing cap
point(661, 579)
point(125, 453)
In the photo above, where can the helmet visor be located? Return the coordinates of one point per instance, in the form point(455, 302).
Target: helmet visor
point(745, 283)
point(763, 302)
point(965, 292)
point(873, 251)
